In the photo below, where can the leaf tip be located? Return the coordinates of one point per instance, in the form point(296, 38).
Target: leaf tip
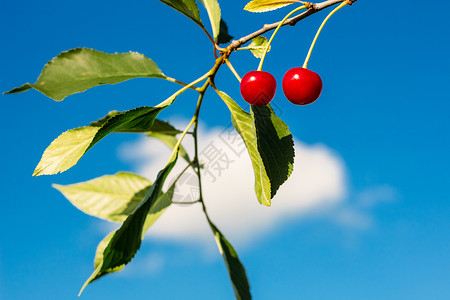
point(39, 171)
point(91, 278)
point(43, 171)
point(267, 203)
point(19, 89)
point(36, 172)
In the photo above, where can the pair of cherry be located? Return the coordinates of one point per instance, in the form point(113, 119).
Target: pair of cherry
point(300, 86)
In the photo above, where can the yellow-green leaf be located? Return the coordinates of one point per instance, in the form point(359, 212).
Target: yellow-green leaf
point(109, 197)
point(267, 5)
point(64, 152)
point(258, 46)
point(213, 9)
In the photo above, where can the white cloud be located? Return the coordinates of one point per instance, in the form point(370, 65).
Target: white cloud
point(372, 196)
point(318, 182)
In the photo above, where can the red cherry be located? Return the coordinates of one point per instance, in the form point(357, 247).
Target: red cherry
point(302, 86)
point(258, 87)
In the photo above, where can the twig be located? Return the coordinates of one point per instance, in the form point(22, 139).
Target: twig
point(292, 21)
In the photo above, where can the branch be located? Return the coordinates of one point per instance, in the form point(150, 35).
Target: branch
point(315, 7)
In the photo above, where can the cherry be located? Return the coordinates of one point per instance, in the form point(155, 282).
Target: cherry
point(302, 86)
point(258, 87)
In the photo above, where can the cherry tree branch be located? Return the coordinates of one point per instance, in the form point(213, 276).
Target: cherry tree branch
point(315, 7)
point(226, 52)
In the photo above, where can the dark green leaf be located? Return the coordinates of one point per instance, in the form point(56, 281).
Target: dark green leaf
point(99, 258)
point(234, 266)
point(223, 37)
point(186, 7)
point(163, 201)
point(126, 241)
point(275, 145)
point(159, 129)
point(142, 117)
point(79, 69)
point(157, 126)
point(269, 144)
point(101, 121)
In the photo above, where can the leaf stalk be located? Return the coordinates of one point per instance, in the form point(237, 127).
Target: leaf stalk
point(275, 32)
point(308, 56)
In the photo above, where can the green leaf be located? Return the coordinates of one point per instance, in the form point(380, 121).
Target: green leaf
point(99, 258)
point(223, 37)
point(65, 151)
point(110, 197)
point(234, 266)
point(69, 147)
point(186, 7)
point(243, 123)
point(275, 145)
point(159, 129)
point(213, 9)
point(79, 69)
point(267, 5)
point(269, 144)
point(126, 241)
point(157, 126)
point(163, 201)
point(258, 46)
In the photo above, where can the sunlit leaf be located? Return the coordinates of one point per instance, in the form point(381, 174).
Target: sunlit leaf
point(267, 5)
point(258, 46)
point(186, 7)
point(213, 9)
point(234, 266)
point(65, 151)
point(109, 197)
point(269, 144)
point(79, 69)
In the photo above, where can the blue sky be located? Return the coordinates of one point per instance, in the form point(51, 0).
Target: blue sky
point(372, 222)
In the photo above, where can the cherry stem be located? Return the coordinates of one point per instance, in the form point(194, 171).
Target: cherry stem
point(233, 70)
point(305, 64)
point(275, 32)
